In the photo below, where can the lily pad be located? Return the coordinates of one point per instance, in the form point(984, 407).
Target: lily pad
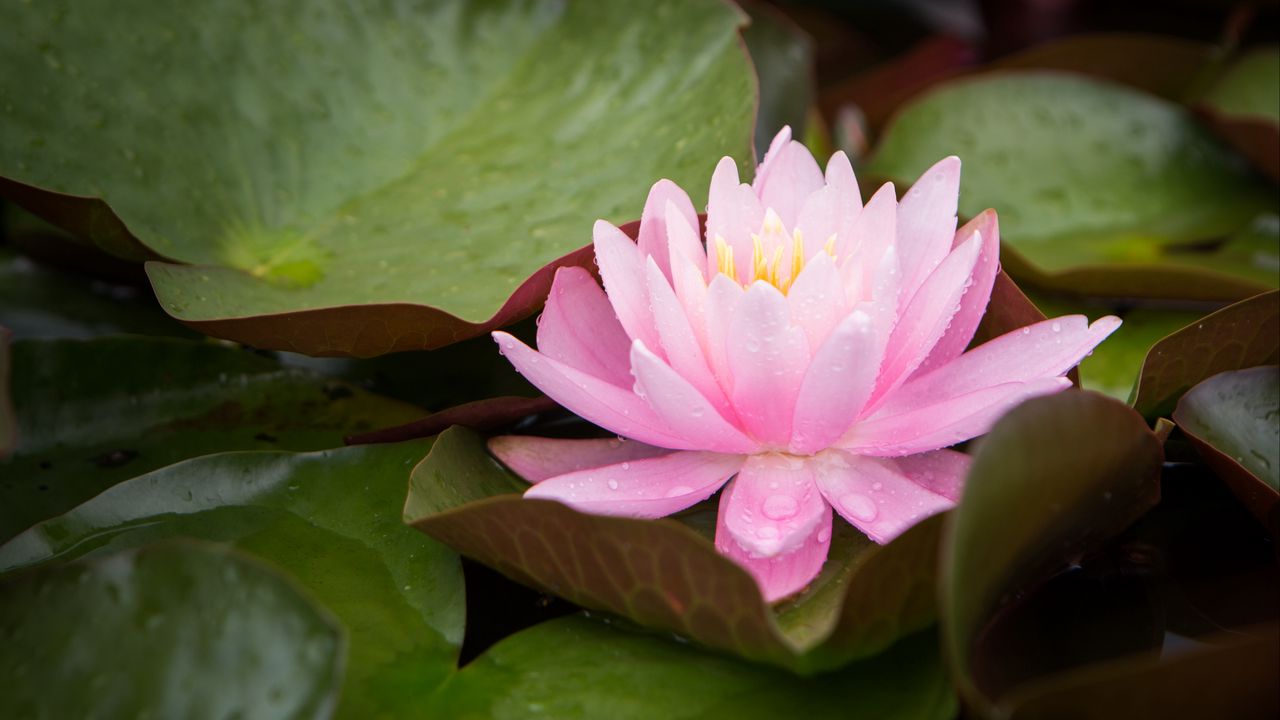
point(361, 179)
point(583, 668)
point(331, 520)
point(1170, 66)
point(172, 630)
point(91, 413)
point(1243, 335)
point(1096, 184)
point(1055, 477)
point(782, 55)
point(1243, 105)
point(667, 575)
point(1234, 420)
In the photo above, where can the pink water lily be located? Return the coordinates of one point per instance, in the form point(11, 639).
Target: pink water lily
point(811, 353)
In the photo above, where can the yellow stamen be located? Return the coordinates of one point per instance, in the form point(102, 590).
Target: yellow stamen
point(830, 247)
point(797, 256)
point(724, 259)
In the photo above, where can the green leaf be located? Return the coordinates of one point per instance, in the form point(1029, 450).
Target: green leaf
point(667, 575)
point(1234, 420)
point(173, 630)
point(1246, 334)
point(8, 421)
point(1169, 69)
point(331, 519)
point(37, 302)
point(581, 668)
point(1250, 86)
point(1055, 477)
point(359, 179)
point(94, 412)
point(782, 55)
point(1097, 185)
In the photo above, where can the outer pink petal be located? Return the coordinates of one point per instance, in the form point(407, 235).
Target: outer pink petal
point(817, 299)
point(600, 402)
point(944, 423)
point(767, 358)
point(683, 243)
point(683, 350)
point(654, 227)
point(974, 301)
point(622, 270)
point(925, 318)
point(579, 329)
point(733, 213)
point(645, 488)
point(941, 472)
point(682, 408)
point(1046, 349)
point(776, 145)
point(879, 496)
point(722, 300)
point(537, 458)
point(774, 522)
point(840, 177)
point(786, 179)
point(927, 222)
point(838, 382)
point(862, 242)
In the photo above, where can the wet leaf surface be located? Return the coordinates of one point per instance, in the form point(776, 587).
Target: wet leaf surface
point(331, 520)
point(667, 575)
point(178, 630)
point(1243, 335)
point(91, 413)
point(385, 222)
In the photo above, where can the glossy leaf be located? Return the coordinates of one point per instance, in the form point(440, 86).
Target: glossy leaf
point(91, 413)
point(172, 630)
point(1133, 179)
point(1246, 334)
point(331, 520)
point(360, 179)
point(1055, 477)
point(664, 574)
point(1243, 105)
point(1234, 420)
point(583, 668)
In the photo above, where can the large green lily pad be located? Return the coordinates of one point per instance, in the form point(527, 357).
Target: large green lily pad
point(1243, 105)
point(173, 630)
point(360, 179)
point(1234, 420)
point(1097, 185)
point(1054, 478)
point(91, 413)
point(667, 574)
point(1243, 335)
point(331, 520)
point(583, 668)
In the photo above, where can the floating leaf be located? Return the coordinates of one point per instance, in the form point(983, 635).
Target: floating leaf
point(1134, 179)
point(1234, 420)
point(172, 630)
point(1055, 477)
point(579, 667)
point(331, 520)
point(1246, 334)
point(1243, 105)
point(666, 575)
point(91, 413)
point(361, 179)
point(1170, 66)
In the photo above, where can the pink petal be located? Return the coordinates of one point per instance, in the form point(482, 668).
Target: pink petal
point(862, 242)
point(943, 423)
point(832, 208)
point(974, 301)
point(941, 472)
point(774, 522)
point(607, 405)
point(878, 495)
point(654, 225)
point(683, 350)
point(767, 358)
point(840, 178)
point(927, 222)
point(646, 488)
point(925, 318)
point(723, 298)
point(622, 270)
point(537, 458)
point(776, 145)
point(579, 329)
point(837, 384)
point(684, 246)
point(786, 179)
point(733, 213)
point(817, 299)
point(1046, 349)
point(682, 408)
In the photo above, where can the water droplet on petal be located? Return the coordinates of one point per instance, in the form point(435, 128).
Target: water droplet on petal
point(767, 532)
point(860, 506)
point(780, 507)
point(824, 535)
point(613, 484)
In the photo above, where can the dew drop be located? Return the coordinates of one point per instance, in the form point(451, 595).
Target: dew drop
point(613, 484)
point(859, 506)
point(824, 535)
point(780, 507)
point(767, 532)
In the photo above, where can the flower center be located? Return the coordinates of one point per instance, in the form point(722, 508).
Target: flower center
point(768, 250)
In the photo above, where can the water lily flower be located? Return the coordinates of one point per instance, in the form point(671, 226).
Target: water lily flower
point(811, 353)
